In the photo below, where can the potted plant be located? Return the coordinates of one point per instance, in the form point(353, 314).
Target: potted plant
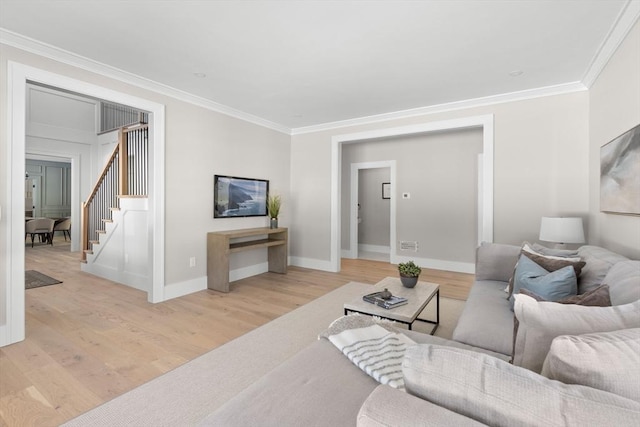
point(409, 273)
point(273, 206)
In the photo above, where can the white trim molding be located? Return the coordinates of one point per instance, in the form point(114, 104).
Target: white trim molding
point(624, 23)
point(439, 264)
point(353, 211)
point(52, 52)
point(18, 75)
point(447, 107)
point(485, 122)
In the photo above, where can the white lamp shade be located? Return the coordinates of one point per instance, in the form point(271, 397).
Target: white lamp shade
point(561, 230)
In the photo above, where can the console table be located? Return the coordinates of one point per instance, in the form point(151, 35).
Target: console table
point(222, 243)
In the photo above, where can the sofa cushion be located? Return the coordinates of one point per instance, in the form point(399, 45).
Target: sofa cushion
point(499, 394)
point(623, 279)
point(550, 285)
point(608, 361)
point(486, 320)
point(387, 406)
point(598, 262)
point(540, 322)
point(495, 261)
point(317, 385)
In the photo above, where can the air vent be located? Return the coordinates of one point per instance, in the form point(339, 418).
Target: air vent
point(408, 246)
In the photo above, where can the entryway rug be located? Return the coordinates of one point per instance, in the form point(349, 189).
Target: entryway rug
point(35, 279)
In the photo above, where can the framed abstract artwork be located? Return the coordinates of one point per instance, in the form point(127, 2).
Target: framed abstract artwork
point(620, 174)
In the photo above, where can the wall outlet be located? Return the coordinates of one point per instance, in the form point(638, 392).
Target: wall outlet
point(192, 261)
point(406, 195)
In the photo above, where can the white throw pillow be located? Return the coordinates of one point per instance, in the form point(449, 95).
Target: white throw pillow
point(608, 361)
point(540, 322)
point(497, 393)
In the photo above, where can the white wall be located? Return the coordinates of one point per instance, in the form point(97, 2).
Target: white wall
point(540, 167)
point(614, 108)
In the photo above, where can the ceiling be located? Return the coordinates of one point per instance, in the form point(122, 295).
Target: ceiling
point(304, 63)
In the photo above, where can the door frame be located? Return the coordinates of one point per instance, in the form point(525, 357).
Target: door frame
point(353, 212)
point(484, 122)
point(18, 76)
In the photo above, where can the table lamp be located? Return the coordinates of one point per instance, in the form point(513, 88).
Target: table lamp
point(561, 230)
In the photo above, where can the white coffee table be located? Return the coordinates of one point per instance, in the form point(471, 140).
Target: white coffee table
point(418, 298)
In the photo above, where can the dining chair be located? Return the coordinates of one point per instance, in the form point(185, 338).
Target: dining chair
point(42, 227)
point(64, 225)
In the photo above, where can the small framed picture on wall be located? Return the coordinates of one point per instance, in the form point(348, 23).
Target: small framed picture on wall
point(386, 190)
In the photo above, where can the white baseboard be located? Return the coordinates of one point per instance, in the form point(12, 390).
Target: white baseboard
point(185, 288)
point(315, 264)
point(374, 248)
point(438, 264)
point(200, 284)
point(346, 253)
point(4, 336)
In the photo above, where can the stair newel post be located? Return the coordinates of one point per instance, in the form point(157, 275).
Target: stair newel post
point(85, 230)
point(123, 164)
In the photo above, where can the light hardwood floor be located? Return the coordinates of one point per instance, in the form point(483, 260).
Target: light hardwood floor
point(90, 340)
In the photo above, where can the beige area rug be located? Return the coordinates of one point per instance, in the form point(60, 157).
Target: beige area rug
point(35, 279)
point(190, 392)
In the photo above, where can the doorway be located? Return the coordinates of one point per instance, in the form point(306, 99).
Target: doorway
point(372, 222)
point(19, 76)
point(485, 186)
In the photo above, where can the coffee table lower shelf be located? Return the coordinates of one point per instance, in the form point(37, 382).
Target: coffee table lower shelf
point(435, 323)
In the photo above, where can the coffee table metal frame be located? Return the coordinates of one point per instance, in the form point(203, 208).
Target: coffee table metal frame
point(419, 297)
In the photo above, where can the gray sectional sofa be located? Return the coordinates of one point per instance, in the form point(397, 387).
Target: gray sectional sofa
point(469, 380)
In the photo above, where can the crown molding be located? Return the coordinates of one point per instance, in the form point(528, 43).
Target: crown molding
point(30, 45)
point(451, 106)
point(624, 23)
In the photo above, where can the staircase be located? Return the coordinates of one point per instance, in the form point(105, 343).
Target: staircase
point(115, 216)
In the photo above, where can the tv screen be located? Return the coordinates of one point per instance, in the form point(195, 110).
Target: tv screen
point(239, 197)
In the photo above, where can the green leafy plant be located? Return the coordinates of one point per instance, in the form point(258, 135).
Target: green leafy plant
point(273, 205)
point(409, 269)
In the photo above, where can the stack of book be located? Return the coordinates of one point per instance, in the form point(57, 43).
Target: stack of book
point(392, 302)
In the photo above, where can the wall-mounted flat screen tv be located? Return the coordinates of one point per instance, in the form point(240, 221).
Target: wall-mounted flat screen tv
point(235, 197)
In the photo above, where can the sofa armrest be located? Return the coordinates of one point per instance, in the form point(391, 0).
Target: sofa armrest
point(387, 406)
point(496, 261)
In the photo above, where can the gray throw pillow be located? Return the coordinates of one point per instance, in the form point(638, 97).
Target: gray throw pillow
point(598, 297)
point(568, 253)
point(497, 393)
point(608, 361)
point(540, 322)
point(552, 286)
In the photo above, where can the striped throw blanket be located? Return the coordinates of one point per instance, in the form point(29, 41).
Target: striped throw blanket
point(375, 350)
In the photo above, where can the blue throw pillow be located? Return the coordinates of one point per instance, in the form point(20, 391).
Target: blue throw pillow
point(551, 286)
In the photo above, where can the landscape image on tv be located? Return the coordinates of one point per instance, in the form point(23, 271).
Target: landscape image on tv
point(239, 197)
